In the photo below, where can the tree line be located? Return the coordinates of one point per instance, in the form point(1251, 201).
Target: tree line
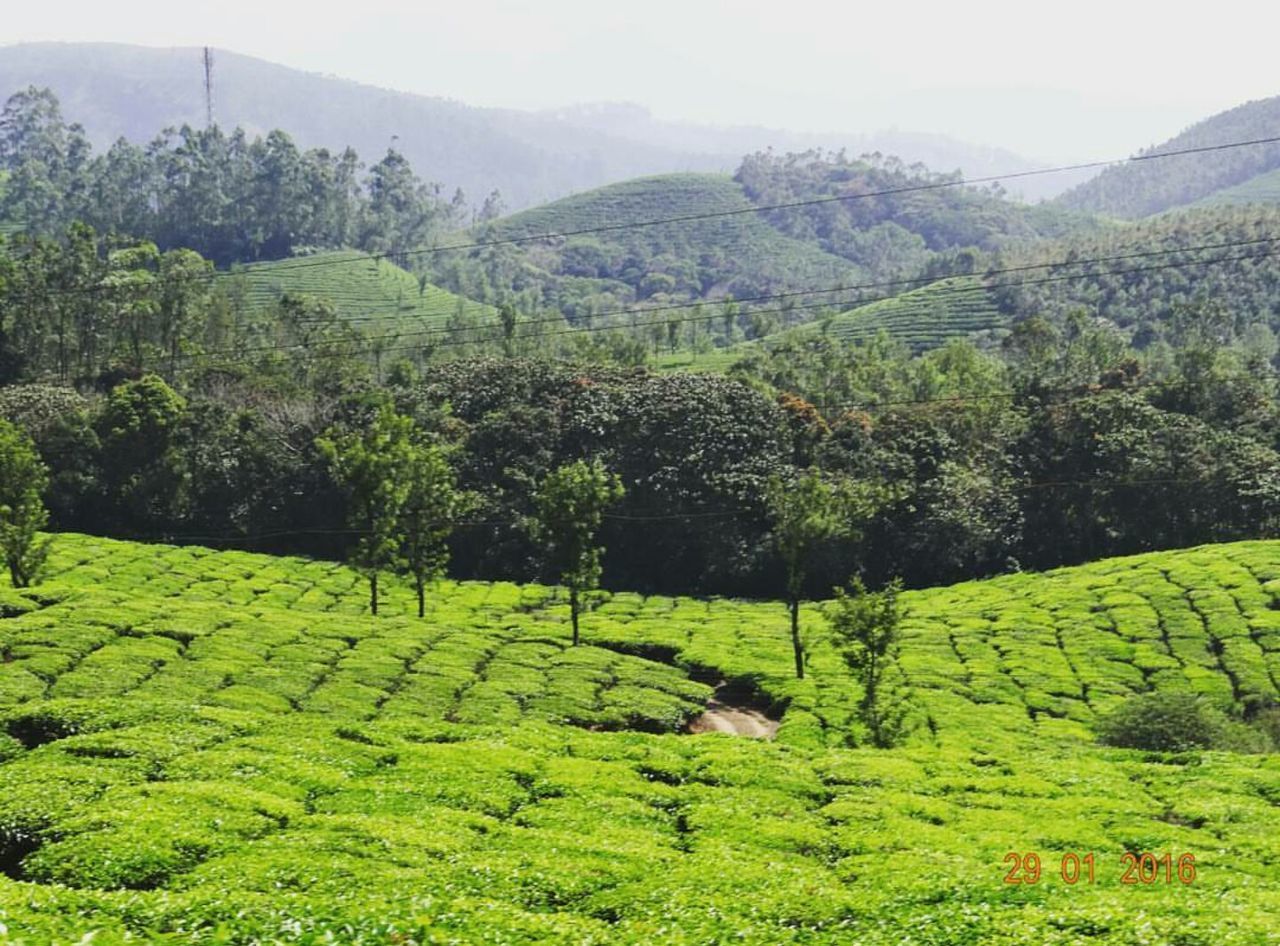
point(223, 194)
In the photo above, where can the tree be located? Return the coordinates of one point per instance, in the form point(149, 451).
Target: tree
point(805, 513)
point(431, 508)
point(142, 472)
point(371, 465)
point(23, 478)
point(865, 627)
point(507, 314)
point(570, 505)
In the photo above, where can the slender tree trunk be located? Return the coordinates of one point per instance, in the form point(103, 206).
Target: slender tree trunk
point(422, 598)
point(373, 593)
point(794, 606)
point(573, 613)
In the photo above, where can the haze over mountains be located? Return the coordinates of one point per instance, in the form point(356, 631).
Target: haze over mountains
point(531, 157)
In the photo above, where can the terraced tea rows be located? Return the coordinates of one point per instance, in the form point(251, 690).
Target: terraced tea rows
point(924, 318)
point(360, 287)
point(222, 747)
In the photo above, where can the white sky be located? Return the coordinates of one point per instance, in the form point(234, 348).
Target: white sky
point(1055, 81)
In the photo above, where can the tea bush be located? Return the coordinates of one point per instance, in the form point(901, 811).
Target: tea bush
point(204, 747)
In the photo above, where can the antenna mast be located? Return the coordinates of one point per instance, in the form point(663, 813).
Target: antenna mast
point(208, 87)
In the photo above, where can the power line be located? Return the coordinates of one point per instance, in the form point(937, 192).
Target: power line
point(917, 281)
point(288, 266)
point(810, 202)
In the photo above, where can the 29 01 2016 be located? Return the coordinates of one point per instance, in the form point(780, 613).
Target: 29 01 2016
point(1135, 869)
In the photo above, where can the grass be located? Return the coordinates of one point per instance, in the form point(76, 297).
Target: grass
point(375, 291)
point(210, 746)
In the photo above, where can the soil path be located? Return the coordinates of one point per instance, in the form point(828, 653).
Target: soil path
point(735, 720)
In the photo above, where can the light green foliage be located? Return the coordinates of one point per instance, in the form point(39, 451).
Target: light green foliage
point(864, 628)
point(201, 745)
point(373, 464)
point(23, 479)
point(571, 502)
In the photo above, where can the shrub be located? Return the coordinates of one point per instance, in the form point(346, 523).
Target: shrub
point(1165, 722)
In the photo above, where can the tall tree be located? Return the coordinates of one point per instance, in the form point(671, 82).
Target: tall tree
point(23, 479)
point(571, 502)
point(371, 464)
point(430, 512)
point(865, 628)
point(804, 514)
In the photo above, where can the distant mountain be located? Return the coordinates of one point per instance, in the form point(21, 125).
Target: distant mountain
point(1143, 188)
point(531, 157)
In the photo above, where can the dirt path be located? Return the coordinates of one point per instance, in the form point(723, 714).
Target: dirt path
point(735, 720)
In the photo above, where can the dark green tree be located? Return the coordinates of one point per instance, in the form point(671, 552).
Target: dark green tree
point(570, 504)
point(141, 469)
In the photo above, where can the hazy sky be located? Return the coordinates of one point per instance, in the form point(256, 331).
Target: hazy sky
point(1053, 81)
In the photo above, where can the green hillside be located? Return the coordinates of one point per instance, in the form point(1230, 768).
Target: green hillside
point(739, 255)
point(1143, 188)
point(223, 747)
point(1263, 189)
point(372, 291)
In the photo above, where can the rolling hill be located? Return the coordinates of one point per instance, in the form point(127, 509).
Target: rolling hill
point(198, 745)
point(736, 253)
point(531, 157)
point(1143, 188)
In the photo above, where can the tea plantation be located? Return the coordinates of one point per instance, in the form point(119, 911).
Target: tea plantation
point(215, 747)
point(374, 291)
point(923, 318)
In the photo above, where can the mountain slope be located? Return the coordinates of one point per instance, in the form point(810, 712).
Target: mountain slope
point(532, 157)
point(1142, 188)
point(193, 740)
